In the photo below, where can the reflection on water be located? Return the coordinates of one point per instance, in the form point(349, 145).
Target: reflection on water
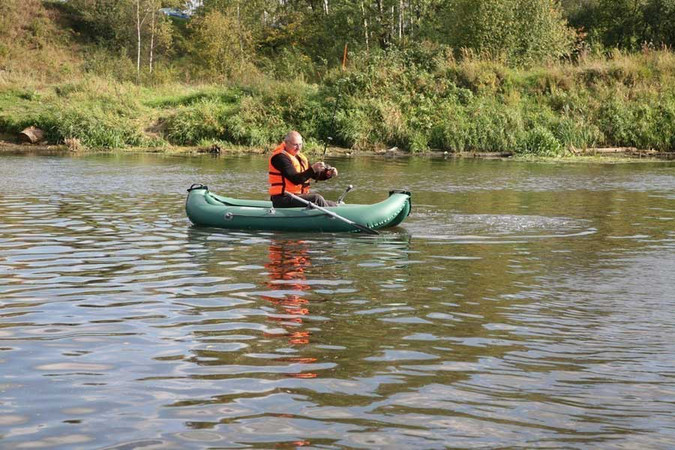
point(520, 304)
point(287, 263)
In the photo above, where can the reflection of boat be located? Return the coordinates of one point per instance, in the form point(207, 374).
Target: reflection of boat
point(208, 209)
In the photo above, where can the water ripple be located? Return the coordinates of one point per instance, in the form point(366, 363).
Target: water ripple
point(516, 311)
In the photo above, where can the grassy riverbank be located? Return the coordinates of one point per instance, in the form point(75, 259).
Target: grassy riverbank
point(416, 101)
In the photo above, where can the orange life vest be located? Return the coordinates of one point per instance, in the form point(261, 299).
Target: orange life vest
point(278, 183)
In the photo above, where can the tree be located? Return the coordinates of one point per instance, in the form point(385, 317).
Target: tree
point(627, 24)
point(158, 28)
point(222, 46)
point(105, 22)
point(125, 24)
point(520, 31)
point(659, 17)
point(150, 22)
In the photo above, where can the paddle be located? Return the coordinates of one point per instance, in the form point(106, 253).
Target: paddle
point(333, 215)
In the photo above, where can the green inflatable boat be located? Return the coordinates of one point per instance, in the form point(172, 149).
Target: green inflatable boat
point(205, 208)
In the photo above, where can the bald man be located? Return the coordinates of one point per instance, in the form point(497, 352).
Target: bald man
point(290, 171)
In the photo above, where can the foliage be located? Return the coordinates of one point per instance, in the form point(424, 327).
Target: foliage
point(256, 116)
point(222, 47)
point(519, 31)
point(626, 24)
point(105, 22)
point(95, 111)
point(507, 82)
point(125, 27)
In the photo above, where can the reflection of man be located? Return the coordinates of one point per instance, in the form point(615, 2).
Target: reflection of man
point(287, 262)
point(289, 171)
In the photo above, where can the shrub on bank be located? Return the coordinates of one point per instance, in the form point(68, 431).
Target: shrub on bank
point(413, 100)
point(253, 116)
point(95, 128)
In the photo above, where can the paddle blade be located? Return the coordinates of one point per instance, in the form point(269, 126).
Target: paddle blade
point(364, 228)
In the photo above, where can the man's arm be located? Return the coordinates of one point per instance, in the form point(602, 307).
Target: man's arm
point(285, 166)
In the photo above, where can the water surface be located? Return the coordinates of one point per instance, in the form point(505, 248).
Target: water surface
point(521, 304)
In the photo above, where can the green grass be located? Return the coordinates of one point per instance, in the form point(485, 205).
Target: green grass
point(388, 100)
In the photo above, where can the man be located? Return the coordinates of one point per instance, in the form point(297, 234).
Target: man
point(290, 171)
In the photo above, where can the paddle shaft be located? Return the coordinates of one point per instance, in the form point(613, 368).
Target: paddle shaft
point(363, 228)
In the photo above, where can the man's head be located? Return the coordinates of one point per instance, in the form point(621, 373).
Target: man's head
point(293, 141)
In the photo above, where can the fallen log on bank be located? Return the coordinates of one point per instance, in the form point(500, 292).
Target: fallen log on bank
point(32, 135)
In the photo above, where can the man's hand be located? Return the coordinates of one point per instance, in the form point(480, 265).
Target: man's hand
point(332, 172)
point(318, 167)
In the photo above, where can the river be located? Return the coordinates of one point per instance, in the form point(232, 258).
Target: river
point(522, 304)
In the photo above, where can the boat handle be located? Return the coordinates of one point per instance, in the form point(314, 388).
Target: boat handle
point(197, 186)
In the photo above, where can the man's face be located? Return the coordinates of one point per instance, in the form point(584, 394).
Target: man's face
point(294, 145)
